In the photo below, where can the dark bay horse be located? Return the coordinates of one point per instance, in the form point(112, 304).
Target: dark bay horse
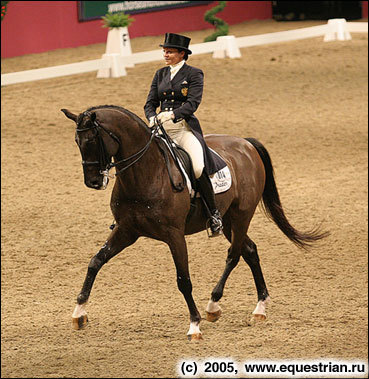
point(144, 202)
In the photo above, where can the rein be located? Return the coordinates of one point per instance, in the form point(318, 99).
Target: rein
point(104, 160)
point(139, 155)
point(106, 164)
point(175, 157)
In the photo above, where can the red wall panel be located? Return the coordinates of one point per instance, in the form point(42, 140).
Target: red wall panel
point(365, 9)
point(38, 26)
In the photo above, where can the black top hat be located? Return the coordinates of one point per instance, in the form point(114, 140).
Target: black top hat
point(177, 41)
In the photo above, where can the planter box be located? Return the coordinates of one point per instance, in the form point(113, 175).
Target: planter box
point(117, 44)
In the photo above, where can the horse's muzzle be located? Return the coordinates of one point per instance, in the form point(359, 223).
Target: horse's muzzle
point(95, 178)
point(97, 184)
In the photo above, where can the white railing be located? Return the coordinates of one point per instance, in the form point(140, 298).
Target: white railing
point(289, 35)
point(53, 72)
point(357, 27)
point(224, 46)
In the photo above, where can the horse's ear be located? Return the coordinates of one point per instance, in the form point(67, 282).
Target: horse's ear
point(93, 116)
point(70, 115)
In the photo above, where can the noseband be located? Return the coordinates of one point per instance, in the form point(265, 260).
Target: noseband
point(104, 161)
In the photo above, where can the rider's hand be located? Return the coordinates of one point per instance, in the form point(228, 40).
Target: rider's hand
point(152, 121)
point(165, 116)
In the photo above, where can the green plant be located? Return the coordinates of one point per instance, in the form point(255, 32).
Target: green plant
point(221, 27)
point(4, 5)
point(116, 20)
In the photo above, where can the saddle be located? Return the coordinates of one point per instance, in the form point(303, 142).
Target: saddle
point(182, 160)
point(221, 180)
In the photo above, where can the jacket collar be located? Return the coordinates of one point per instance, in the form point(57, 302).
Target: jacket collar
point(181, 74)
point(176, 67)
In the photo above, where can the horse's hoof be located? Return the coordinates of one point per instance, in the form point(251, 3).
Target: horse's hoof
point(79, 322)
point(194, 337)
point(257, 318)
point(213, 316)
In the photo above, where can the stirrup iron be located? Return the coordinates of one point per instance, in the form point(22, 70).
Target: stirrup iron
point(214, 225)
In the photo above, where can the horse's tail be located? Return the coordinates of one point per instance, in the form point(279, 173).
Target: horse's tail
point(273, 208)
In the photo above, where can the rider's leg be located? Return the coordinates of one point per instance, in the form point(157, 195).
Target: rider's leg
point(192, 145)
point(207, 191)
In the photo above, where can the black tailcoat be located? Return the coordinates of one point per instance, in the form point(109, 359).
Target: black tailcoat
point(182, 95)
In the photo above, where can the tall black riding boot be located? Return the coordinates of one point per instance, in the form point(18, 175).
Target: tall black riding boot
point(207, 192)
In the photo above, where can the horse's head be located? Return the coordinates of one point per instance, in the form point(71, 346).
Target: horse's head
point(97, 146)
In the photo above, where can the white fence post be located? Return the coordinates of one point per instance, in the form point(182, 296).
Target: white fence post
point(117, 68)
point(114, 66)
point(337, 29)
point(228, 47)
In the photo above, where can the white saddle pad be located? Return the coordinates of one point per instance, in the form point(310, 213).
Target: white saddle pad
point(221, 181)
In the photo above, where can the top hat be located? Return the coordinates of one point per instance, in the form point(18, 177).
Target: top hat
point(177, 41)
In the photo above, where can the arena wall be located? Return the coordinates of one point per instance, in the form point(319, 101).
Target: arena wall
point(38, 26)
point(365, 9)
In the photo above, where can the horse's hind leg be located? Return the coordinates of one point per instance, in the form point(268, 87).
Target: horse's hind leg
point(243, 246)
point(250, 255)
point(116, 242)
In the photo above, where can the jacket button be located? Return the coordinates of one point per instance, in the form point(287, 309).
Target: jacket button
point(164, 93)
point(172, 93)
point(172, 100)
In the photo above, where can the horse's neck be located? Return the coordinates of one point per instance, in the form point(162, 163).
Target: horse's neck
point(139, 180)
point(132, 133)
point(133, 139)
point(145, 172)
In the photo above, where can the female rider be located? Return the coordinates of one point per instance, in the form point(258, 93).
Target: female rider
point(177, 89)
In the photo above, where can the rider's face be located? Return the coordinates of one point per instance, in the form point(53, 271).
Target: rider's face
point(172, 56)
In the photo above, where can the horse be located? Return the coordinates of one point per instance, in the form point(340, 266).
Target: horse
point(147, 202)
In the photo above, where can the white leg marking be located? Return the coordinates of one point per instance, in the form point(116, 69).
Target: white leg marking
point(261, 306)
point(194, 329)
point(212, 306)
point(79, 311)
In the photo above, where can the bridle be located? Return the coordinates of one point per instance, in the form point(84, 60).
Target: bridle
point(104, 161)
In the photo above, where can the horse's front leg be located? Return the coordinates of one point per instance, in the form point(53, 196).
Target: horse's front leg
point(178, 248)
point(117, 241)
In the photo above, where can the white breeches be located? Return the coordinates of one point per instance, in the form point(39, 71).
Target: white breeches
point(181, 134)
